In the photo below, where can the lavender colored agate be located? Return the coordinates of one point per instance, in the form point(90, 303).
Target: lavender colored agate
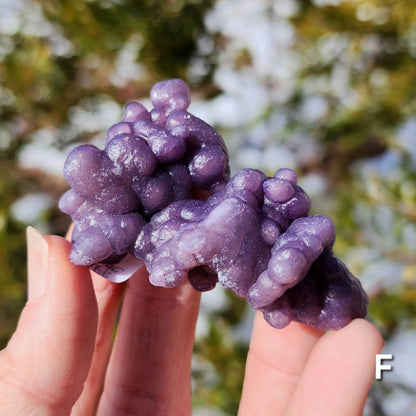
point(196, 241)
point(253, 234)
point(255, 237)
point(99, 236)
point(150, 159)
point(221, 239)
point(329, 297)
point(292, 255)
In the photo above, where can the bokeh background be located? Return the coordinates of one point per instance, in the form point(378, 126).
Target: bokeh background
point(325, 87)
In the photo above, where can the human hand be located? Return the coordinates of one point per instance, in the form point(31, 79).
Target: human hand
point(63, 359)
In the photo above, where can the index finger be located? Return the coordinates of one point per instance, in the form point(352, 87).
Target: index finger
point(340, 372)
point(275, 361)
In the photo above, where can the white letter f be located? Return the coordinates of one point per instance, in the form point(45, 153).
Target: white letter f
point(379, 366)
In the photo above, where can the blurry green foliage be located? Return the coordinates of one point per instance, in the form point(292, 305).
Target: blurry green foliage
point(227, 359)
point(168, 29)
point(377, 57)
point(221, 388)
point(391, 310)
point(44, 75)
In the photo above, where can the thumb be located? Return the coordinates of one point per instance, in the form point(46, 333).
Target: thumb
point(46, 362)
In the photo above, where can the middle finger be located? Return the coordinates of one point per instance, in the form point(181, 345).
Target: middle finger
point(149, 371)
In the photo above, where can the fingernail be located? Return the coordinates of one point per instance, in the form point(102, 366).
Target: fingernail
point(37, 257)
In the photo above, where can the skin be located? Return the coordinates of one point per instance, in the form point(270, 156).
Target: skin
point(63, 358)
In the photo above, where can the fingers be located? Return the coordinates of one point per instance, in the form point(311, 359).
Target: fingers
point(47, 359)
point(149, 370)
point(339, 372)
point(275, 361)
point(109, 297)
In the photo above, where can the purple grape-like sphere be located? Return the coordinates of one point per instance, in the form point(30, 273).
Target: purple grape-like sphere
point(255, 237)
point(253, 233)
point(150, 159)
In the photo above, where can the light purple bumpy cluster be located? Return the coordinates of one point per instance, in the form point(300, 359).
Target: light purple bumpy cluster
point(253, 234)
point(150, 159)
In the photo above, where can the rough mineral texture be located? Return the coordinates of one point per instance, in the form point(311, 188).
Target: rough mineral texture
point(253, 234)
point(150, 159)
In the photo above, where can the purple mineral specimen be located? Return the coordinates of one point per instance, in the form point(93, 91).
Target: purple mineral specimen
point(253, 234)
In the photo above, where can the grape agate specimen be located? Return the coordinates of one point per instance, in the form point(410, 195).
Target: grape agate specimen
point(253, 234)
point(150, 159)
point(227, 237)
point(255, 237)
